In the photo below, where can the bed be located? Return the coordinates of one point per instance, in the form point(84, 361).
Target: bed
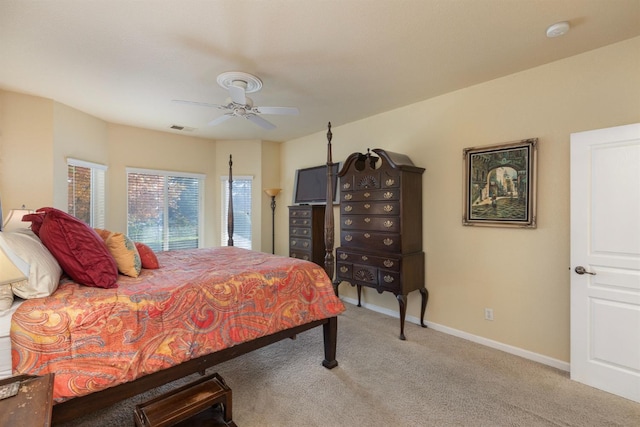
point(202, 307)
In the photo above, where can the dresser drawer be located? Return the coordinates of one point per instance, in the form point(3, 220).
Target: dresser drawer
point(368, 195)
point(300, 231)
point(385, 262)
point(300, 254)
point(299, 212)
point(380, 242)
point(344, 271)
point(370, 208)
point(300, 221)
point(370, 181)
point(299, 243)
point(370, 222)
point(381, 280)
point(389, 281)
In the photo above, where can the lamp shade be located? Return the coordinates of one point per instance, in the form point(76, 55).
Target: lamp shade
point(272, 192)
point(9, 272)
point(14, 220)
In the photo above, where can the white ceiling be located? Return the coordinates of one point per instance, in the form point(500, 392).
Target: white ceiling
point(336, 60)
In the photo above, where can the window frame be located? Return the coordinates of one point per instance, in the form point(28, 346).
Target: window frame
point(174, 174)
point(98, 198)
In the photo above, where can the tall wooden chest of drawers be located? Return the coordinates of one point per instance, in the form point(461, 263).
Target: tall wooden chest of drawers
point(381, 227)
point(306, 233)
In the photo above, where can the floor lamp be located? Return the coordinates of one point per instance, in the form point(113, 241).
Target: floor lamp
point(273, 192)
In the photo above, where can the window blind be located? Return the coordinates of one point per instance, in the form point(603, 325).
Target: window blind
point(242, 187)
point(164, 209)
point(86, 191)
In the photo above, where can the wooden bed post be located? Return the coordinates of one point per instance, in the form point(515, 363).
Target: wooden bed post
point(328, 212)
point(230, 208)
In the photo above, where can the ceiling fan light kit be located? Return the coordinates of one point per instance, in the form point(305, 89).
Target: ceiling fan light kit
point(239, 104)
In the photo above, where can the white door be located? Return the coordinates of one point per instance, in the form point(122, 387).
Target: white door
point(605, 248)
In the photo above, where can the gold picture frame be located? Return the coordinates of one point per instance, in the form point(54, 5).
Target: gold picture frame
point(500, 185)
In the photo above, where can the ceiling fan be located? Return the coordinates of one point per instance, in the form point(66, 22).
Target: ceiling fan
point(239, 104)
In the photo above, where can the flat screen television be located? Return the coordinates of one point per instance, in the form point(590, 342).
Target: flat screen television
point(310, 185)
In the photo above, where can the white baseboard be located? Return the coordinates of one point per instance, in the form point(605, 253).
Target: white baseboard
point(545, 360)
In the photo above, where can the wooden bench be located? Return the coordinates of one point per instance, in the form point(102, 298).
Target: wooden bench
point(188, 402)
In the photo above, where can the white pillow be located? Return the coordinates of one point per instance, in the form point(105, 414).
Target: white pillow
point(44, 270)
point(6, 297)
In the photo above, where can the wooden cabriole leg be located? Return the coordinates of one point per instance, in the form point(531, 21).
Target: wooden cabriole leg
point(423, 306)
point(402, 301)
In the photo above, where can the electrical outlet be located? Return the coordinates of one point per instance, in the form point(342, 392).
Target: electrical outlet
point(488, 314)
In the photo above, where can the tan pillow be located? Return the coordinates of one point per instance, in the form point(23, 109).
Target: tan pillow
point(123, 250)
point(44, 270)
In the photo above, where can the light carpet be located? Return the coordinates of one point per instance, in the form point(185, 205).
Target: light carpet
point(432, 379)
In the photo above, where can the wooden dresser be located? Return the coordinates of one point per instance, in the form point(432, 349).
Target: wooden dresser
point(381, 227)
point(306, 233)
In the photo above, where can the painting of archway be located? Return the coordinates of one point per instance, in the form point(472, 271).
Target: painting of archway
point(500, 184)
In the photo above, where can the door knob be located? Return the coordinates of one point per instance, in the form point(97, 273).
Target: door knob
point(581, 270)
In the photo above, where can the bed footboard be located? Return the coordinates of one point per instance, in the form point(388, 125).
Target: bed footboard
point(83, 405)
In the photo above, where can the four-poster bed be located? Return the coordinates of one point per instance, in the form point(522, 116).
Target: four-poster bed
point(236, 301)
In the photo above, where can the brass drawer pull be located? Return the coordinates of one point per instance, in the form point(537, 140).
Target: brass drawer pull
point(367, 235)
point(367, 194)
point(367, 205)
point(348, 221)
point(348, 208)
point(305, 244)
point(388, 263)
point(364, 258)
point(388, 195)
point(344, 256)
point(367, 220)
point(388, 223)
point(346, 185)
point(348, 237)
point(343, 269)
point(348, 196)
point(387, 241)
point(388, 279)
point(387, 208)
point(390, 182)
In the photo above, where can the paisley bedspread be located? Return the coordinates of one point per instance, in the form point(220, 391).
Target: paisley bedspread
point(198, 302)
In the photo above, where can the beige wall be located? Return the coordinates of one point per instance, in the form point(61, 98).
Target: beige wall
point(26, 151)
point(522, 274)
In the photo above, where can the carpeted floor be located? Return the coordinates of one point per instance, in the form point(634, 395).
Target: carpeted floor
point(432, 379)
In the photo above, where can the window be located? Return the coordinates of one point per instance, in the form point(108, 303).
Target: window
point(86, 191)
point(241, 211)
point(165, 209)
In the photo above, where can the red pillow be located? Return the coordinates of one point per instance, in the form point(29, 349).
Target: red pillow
point(147, 256)
point(80, 251)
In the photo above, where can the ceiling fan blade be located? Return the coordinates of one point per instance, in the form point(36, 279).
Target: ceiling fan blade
point(260, 121)
point(278, 110)
point(199, 104)
point(237, 94)
point(220, 119)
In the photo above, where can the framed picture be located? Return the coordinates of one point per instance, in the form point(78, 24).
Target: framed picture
point(500, 185)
